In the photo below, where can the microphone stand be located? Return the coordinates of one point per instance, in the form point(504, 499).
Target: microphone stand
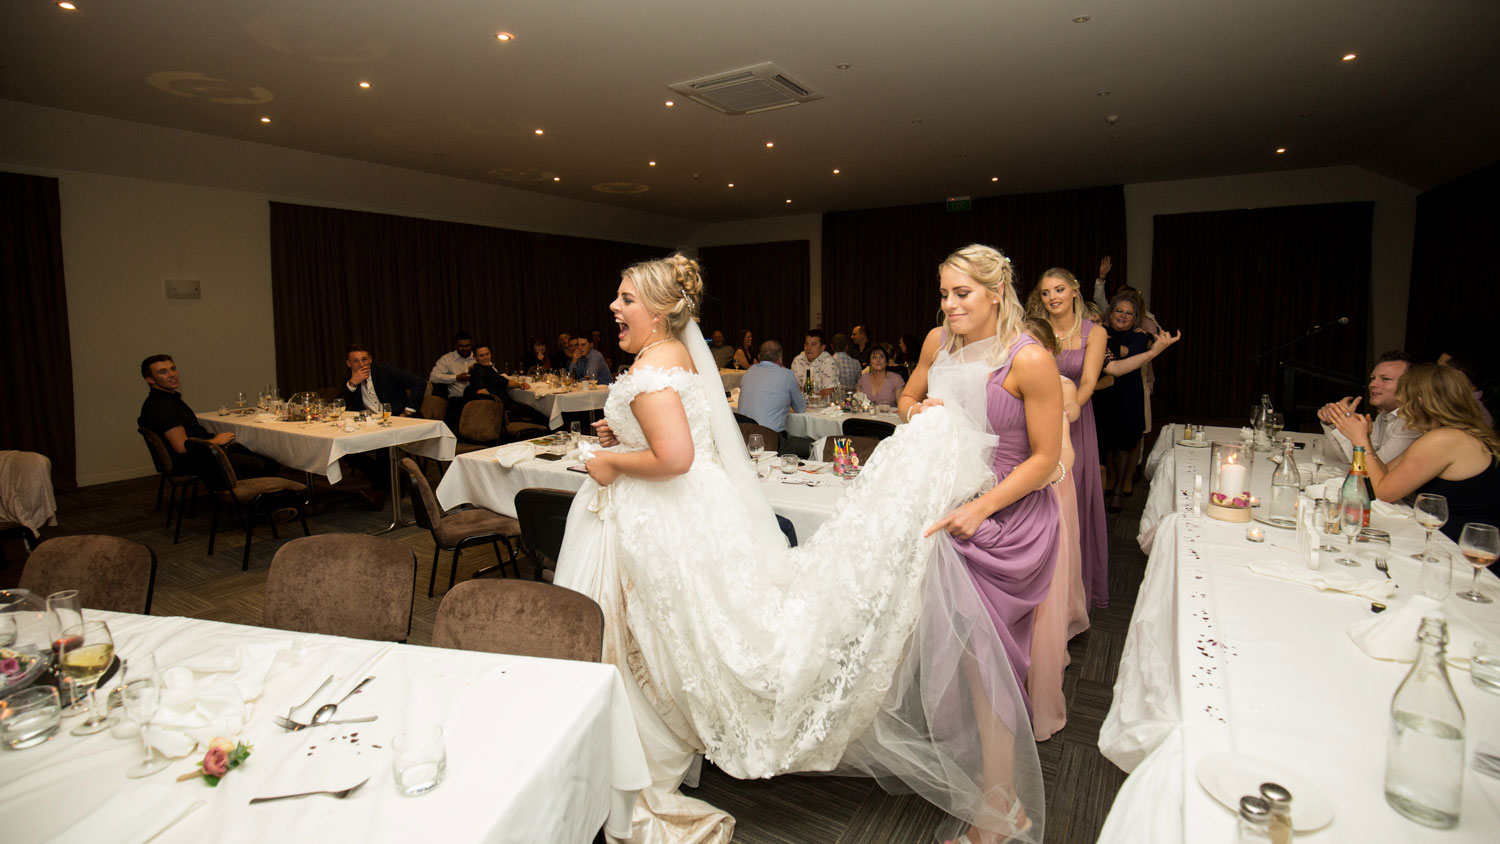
point(1316, 329)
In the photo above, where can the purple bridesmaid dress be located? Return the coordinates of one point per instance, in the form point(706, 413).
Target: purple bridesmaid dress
point(1012, 554)
point(1092, 531)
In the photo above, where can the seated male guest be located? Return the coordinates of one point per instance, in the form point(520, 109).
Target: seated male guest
point(588, 362)
point(816, 359)
point(452, 371)
point(169, 416)
point(860, 345)
point(847, 367)
point(723, 352)
point(1388, 433)
point(769, 391)
point(485, 378)
point(537, 356)
point(369, 386)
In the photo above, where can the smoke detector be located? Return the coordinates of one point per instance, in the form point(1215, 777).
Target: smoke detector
point(747, 90)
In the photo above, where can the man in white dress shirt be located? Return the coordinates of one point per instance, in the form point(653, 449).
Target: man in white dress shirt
point(452, 369)
point(816, 359)
point(1388, 433)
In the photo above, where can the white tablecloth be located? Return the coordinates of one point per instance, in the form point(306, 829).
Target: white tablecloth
point(731, 378)
point(316, 447)
point(538, 750)
point(817, 424)
point(1219, 658)
point(554, 405)
point(476, 478)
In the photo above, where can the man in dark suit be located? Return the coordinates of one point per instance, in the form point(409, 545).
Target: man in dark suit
point(485, 378)
point(369, 386)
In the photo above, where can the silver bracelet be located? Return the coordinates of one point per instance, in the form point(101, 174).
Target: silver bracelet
point(1064, 470)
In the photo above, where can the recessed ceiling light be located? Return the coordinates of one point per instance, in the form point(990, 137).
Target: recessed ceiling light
point(994, 178)
point(1101, 93)
point(72, 7)
point(842, 66)
point(557, 178)
point(788, 202)
point(539, 131)
point(770, 144)
point(265, 120)
point(1280, 150)
point(731, 184)
point(652, 163)
point(835, 171)
point(364, 84)
point(1082, 19)
point(670, 103)
point(504, 36)
point(1349, 57)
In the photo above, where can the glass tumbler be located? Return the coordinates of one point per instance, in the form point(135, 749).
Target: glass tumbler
point(419, 759)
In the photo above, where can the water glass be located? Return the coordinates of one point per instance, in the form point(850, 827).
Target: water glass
point(1484, 667)
point(1437, 574)
point(757, 445)
point(29, 717)
point(789, 463)
point(575, 433)
point(419, 759)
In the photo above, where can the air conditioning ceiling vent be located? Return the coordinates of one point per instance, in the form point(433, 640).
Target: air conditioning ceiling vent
point(747, 90)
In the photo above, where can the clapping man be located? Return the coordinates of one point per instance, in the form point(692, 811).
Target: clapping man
point(1388, 433)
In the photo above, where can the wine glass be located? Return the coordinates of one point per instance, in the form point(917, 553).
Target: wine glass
point(385, 414)
point(239, 400)
point(1480, 543)
point(64, 610)
point(1317, 458)
point(1276, 421)
point(140, 691)
point(1329, 515)
point(1431, 512)
point(1437, 574)
point(1351, 522)
point(757, 445)
point(86, 652)
point(575, 433)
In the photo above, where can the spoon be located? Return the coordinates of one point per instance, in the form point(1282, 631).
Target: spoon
point(315, 693)
point(326, 710)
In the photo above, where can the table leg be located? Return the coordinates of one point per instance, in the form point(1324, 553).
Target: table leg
point(396, 520)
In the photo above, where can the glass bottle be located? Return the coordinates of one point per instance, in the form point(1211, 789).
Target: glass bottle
point(1255, 821)
point(1280, 802)
point(1356, 489)
point(1424, 760)
point(1285, 484)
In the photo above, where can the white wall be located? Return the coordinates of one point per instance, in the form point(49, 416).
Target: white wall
point(1391, 235)
point(142, 204)
point(807, 227)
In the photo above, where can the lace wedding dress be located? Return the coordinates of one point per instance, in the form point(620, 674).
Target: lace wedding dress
point(864, 650)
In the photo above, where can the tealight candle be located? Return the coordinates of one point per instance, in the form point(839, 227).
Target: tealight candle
point(1255, 534)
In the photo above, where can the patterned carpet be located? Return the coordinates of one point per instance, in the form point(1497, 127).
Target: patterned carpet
point(1081, 784)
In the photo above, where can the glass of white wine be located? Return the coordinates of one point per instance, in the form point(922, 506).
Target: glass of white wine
point(1480, 544)
point(141, 697)
point(1431, 512)
point(87, 650)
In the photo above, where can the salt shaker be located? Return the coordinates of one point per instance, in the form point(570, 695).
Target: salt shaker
point(1280, 802)
point(1255, 821)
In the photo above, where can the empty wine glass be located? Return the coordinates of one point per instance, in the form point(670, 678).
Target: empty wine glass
point(65, 610)
point(140, 692)
point(1431, 512)
point(1317, 458)
point(1329, 516)
point(1437, 574)
point(239, 400)
point(1351, 522)
point(1480, 544)
point(757, 445)
point(86, 652)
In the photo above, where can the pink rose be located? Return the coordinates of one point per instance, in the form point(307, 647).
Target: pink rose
point(10, 667)
point(216, 762)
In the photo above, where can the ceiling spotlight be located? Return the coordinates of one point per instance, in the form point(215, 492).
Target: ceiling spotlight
point(265, 120)
point(539, 131)
point(1280, 150)
point(504, 36)
point(770, 144)
point(994, 178)
point(1349, 57)
point(835, 171)
point(364, 84)
point(731, 184)
point(788, 202)
point(842, 66)
point(1082, 19)
point(670, 103)
point(652, 163)
point(557, 178)
point(72, 7)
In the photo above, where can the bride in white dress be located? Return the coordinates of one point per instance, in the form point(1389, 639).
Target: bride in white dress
point(853, 653)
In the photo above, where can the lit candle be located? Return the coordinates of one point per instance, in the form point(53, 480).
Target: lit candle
point(1255, 534)
point(1232, 480)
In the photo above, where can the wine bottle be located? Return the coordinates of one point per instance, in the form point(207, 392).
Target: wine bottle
point(1357, 485)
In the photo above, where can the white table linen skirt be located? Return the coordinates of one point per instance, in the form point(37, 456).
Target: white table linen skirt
point(316, 447)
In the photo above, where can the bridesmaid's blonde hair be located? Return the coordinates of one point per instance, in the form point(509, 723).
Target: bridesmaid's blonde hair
point(1035, 308)
point(988, 267)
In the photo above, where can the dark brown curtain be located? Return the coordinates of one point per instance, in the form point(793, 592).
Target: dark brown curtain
point(403, 286)
point(880, 265)
point(1452, 299)
point(35, 325)
point(1238, 283)
point(760, 286)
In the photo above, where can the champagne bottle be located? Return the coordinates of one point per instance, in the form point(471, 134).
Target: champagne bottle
point(1424, 762)
point(1357, 485)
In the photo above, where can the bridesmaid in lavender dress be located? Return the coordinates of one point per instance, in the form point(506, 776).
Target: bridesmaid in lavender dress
point(1080, 357)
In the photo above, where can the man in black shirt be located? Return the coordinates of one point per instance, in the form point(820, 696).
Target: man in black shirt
point(485, 378)
point(169, 416)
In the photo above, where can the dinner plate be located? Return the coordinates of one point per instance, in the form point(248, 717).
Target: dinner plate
point(1230, 776)
point(1194, 443)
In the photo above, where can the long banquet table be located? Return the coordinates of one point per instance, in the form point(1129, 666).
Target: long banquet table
point(538, 749)
point(477, 478)
point(1219, 658)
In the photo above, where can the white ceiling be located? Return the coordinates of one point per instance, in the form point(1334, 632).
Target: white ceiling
point(941, 97)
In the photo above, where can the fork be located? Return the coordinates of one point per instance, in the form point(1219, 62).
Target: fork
point(1384, 569)
point(339, 795)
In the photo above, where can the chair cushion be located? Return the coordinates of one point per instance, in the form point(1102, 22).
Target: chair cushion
point(250, 488)
point(342, 585)
point(466, 524)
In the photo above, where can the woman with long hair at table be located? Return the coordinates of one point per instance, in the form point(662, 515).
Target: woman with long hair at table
point(881, 661)
point(1080, 358)
point(1456, 456)
point(744, 351)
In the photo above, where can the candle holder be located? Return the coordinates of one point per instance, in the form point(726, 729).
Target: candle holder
point(1230, 468)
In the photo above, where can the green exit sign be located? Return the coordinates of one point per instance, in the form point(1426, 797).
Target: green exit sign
point(960, 203)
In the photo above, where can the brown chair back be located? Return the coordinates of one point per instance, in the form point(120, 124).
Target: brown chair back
point(767, 436)
point(872, 428)
point(342, 584)
point(482, 422)
point(424, 503)
point(213, 465)
point(161, 457)
point(109, 573)
point(543, 514)
point(434, 407)
point(520, 617)
point(863, 446)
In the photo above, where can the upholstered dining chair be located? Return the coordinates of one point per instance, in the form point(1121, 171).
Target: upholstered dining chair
point(462, 527)
point(109, 573)
point(520, 617)
point(342, 584)
point(434, 407)
point(863, 446)
point(770, 438)
point(182, 482)
point(873, 428)
point(250, 498)
point(543, 514)
point(480, 426)
point(518, 430)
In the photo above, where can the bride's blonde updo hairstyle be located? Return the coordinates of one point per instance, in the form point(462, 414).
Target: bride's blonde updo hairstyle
point(671, 287)
point(989, 268)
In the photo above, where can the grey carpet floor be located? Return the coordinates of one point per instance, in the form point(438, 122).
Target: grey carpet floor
point(1080, 784)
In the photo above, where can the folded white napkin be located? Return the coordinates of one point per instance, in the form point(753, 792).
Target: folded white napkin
point(832, 410)
point(209, 696)
point(135, 814)
point(509, 455)
point(1328, 581)
point(1392, 635)
point(585, 451)
point(1390, 511)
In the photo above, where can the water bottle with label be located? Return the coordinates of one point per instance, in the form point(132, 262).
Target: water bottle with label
point(1424, 762)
